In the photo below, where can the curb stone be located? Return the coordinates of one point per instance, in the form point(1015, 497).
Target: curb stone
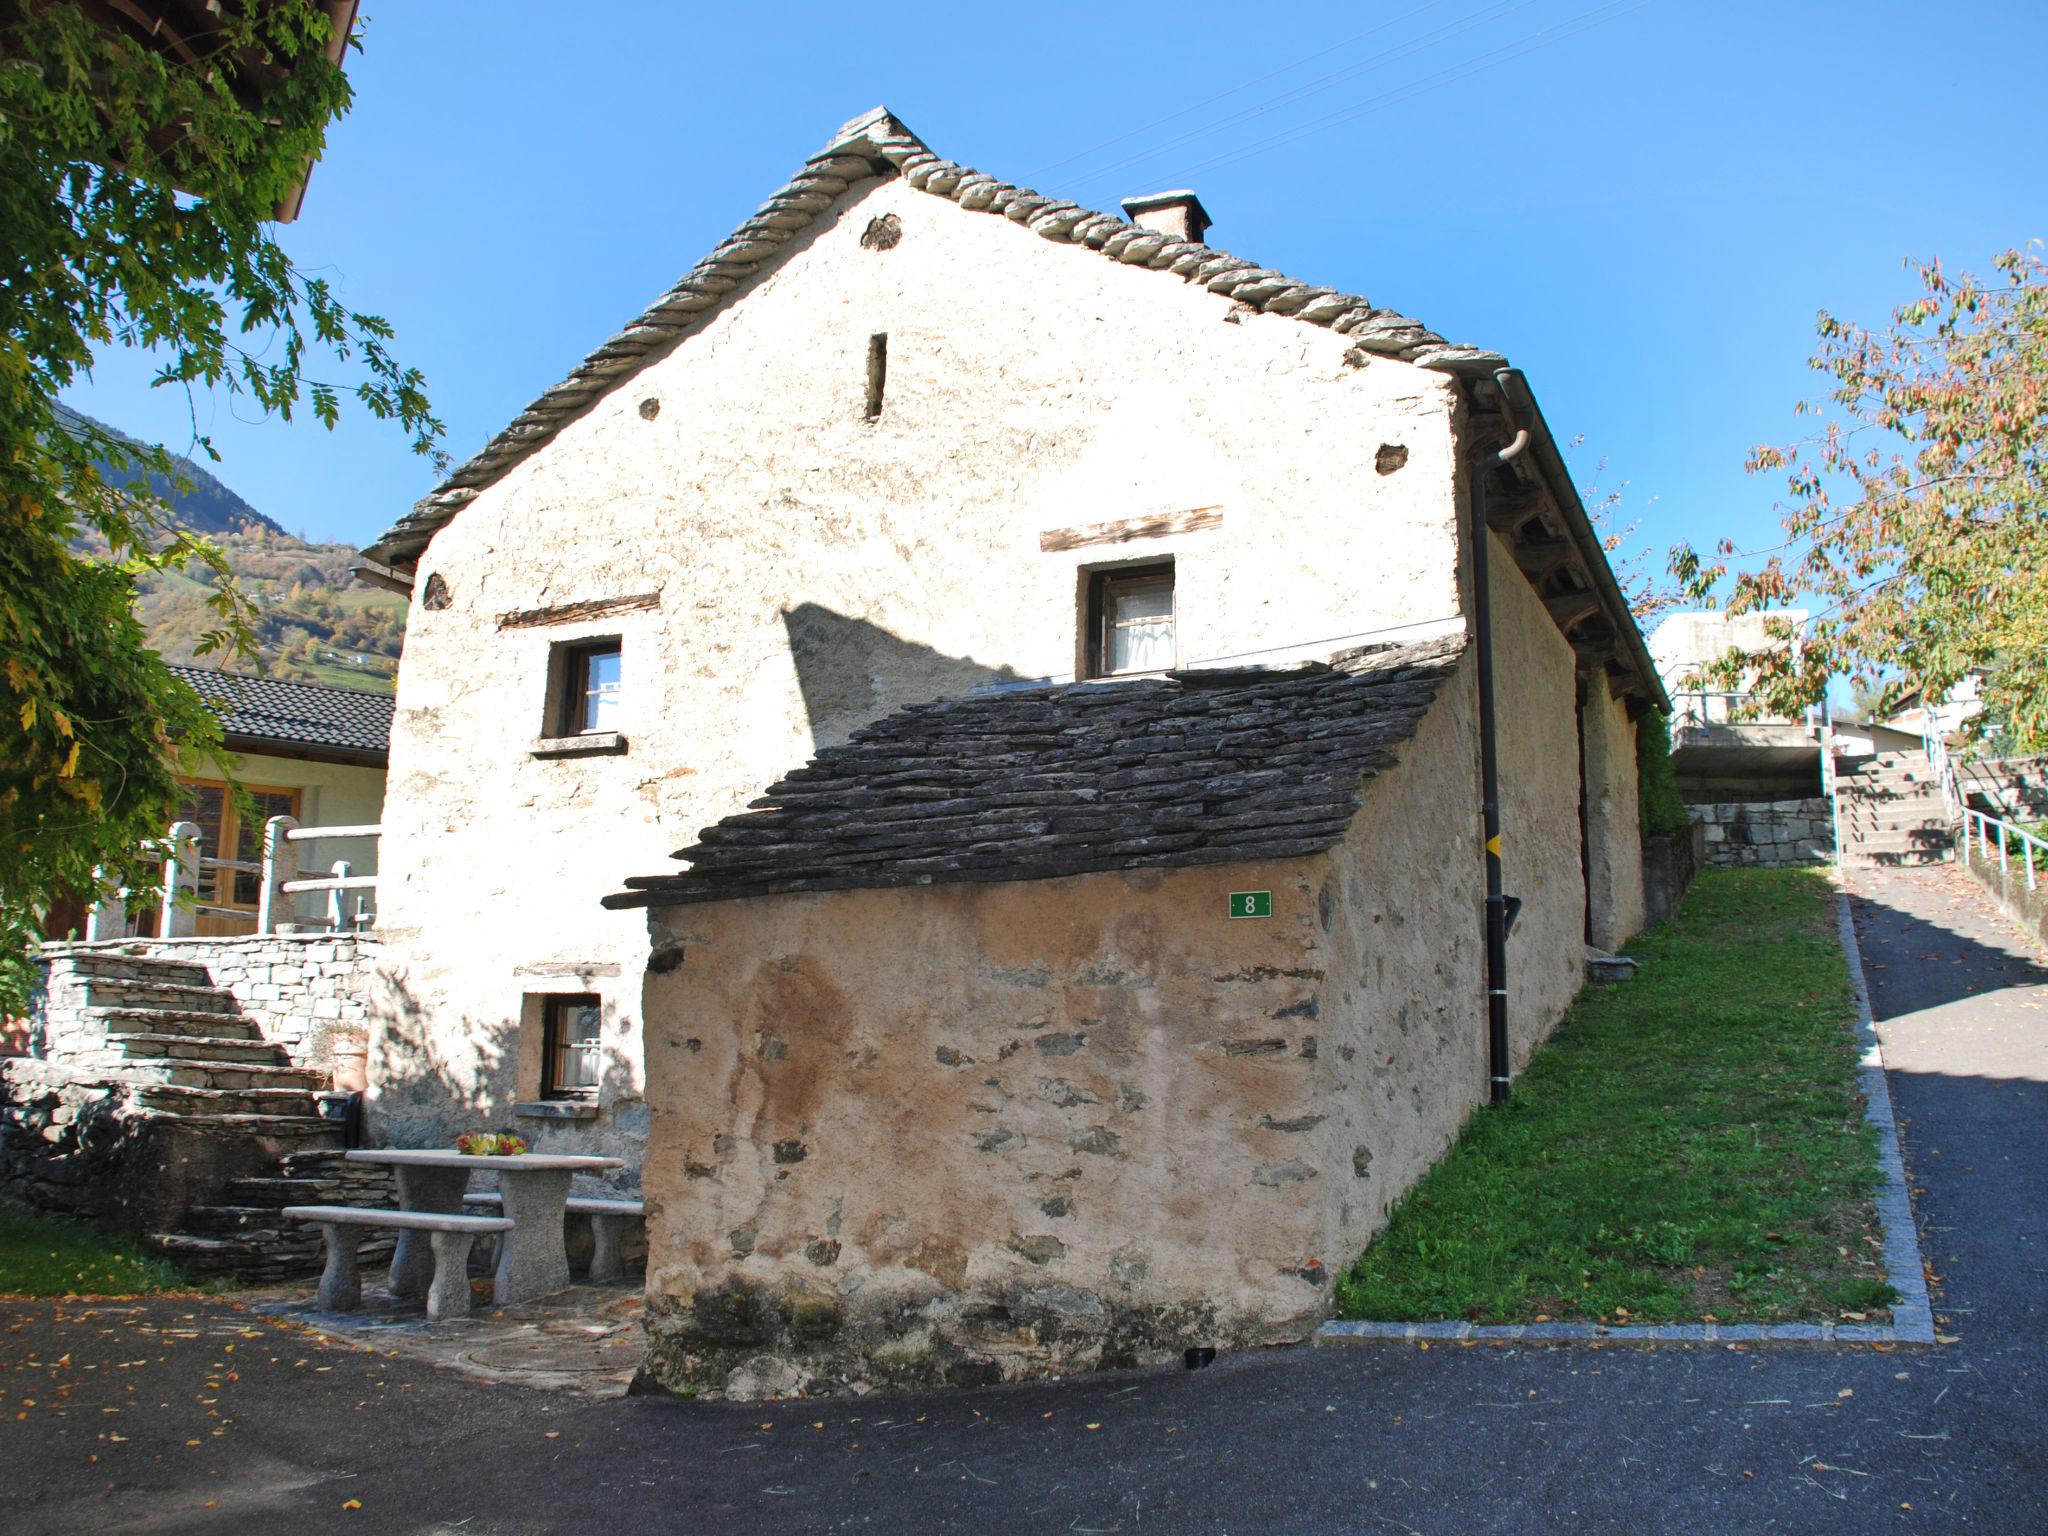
point(1912, 1314)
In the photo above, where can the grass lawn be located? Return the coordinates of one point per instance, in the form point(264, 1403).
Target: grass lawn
point(44, 1255)
point(1689, 1145)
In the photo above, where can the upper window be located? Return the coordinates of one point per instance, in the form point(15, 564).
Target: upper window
point(593, 689)
point(1132, 621)
point(569, 1047)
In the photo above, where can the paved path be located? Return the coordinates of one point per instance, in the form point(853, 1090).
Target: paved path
point(280, 1432)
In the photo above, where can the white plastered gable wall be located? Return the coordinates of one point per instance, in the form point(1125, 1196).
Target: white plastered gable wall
point(1031, 386)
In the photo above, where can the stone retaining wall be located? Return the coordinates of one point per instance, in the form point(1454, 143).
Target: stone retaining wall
point(1767, 833)
point(2007, 884)
point(70, 1141)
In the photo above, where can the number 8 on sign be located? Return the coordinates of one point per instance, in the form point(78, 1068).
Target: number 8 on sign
point(1251, 904)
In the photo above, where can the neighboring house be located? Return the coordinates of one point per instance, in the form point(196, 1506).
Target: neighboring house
point(1755, 780)
point(1120, 956)
point(306, 750)
point(1947, 715)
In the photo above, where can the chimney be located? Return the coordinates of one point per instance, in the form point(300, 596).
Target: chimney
point(1177, 215)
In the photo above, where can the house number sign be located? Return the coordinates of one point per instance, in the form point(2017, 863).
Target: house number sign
point(1251, 903)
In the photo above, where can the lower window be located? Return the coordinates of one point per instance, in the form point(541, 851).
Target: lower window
point(569, 1047)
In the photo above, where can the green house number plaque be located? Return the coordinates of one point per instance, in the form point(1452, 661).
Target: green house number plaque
point(1251, 903)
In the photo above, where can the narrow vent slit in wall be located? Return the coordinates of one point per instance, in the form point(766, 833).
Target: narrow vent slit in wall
point(878, 372)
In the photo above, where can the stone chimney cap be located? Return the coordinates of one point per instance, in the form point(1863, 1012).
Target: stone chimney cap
point(1179, 213)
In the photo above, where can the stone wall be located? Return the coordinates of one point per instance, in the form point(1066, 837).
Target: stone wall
point(1536, 694)
point(301, 990)
point(1767, 833)
point(2009, 787)
point(972, 1132)
point(69, 1141)
point(1617, 905)
point(1670, 861)
point(787, 568)
point(2007, 883)
point(1402, 1056)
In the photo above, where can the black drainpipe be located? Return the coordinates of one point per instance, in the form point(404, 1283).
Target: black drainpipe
point(1499, 908)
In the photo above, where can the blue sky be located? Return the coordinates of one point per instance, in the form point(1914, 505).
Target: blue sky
point(1642, 204)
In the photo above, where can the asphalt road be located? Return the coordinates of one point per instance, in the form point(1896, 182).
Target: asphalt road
point(177, 1416)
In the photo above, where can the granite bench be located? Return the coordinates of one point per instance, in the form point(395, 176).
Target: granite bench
point(341, 1282)
point(609, 1222)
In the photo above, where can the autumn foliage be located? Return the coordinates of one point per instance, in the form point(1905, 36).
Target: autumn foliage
point(1916, 518)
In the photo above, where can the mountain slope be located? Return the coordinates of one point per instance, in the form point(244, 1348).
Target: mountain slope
point(316, 623)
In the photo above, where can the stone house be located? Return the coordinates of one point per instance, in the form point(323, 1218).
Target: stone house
point(1108, 583)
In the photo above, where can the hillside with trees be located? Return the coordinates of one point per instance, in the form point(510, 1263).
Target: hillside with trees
point(315, 622)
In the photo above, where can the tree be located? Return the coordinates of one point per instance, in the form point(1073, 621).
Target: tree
point(1605, 510)
point(136, 181)
point(1916, 527)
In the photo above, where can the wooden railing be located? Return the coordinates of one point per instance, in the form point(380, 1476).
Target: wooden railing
point(280, 878)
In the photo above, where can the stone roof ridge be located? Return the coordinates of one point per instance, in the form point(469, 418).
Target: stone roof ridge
point(1074, 778)
point(877, 143)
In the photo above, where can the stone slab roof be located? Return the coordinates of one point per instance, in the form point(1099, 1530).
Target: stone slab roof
point(293, 718)
point(1197, 767)
point(873, 145)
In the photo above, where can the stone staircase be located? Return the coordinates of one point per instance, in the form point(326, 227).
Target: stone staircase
point(181, 1047)
point(239, 1126)
point(244, 1236)
point(1890, 812)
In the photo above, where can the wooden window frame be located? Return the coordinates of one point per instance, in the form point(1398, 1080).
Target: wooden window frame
point(554, 1020)
point(1102, 583)
point(571, 685)
point(221, 892)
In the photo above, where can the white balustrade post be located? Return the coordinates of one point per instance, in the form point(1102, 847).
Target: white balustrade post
point(335, 917)
point(181, 881)
point(108, 918)
point(280, 863)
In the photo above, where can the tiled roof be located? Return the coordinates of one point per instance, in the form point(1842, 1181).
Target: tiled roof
point(271, 712)
point(1199, 767)
point(878, 144)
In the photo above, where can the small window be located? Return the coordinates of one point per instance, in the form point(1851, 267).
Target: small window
point(1131, 615)
point(593, 689)
point(569, 1046)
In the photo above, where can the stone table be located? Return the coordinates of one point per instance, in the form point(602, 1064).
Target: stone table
point(532, 1259)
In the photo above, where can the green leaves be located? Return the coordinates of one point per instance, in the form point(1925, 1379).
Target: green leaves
point(1916, 519)
point(136, 186)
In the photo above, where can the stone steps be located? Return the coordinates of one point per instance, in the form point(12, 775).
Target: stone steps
point(1891, 813)
point(113, 965)
point(105, 992)
point(243, 1236)
point(187, 1072)
point(221, 1048)
point(175, 1099)
point(256, 1253)
point(182, 1021)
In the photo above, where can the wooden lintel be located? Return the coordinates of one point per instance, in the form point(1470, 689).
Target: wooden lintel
point(1154, 525)
point(571, 613)
point(1571, 609)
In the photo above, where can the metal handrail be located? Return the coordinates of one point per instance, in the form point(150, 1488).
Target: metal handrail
point(1977, 827)
point(1945, 771)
